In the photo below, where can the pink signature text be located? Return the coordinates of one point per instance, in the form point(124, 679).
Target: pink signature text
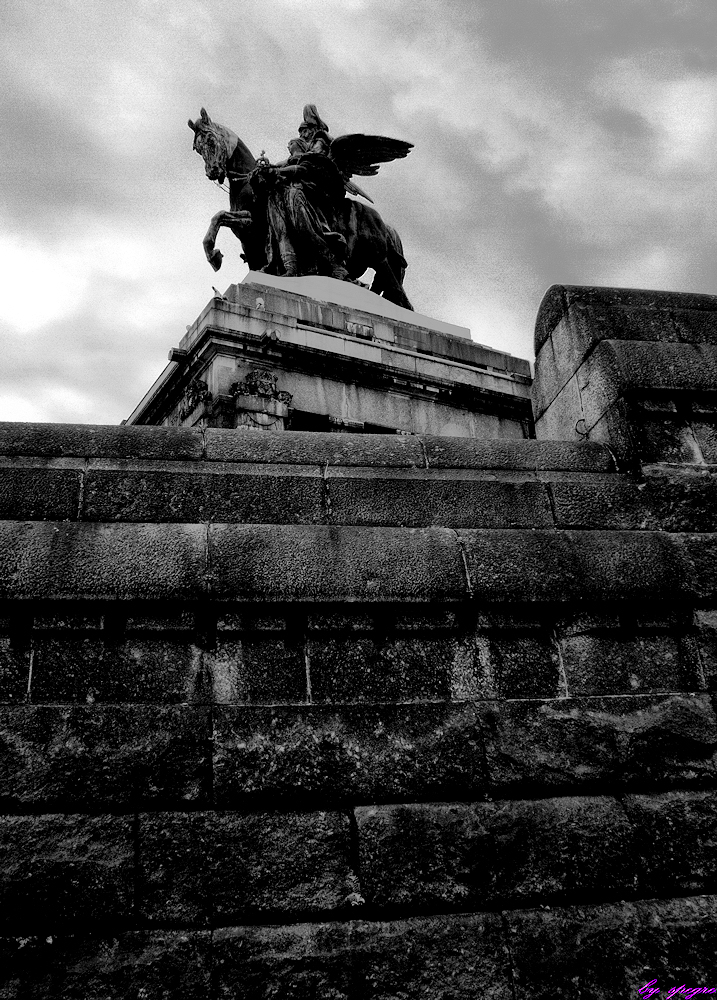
point(675, 991)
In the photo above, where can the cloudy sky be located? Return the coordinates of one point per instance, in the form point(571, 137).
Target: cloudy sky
point(568, 141)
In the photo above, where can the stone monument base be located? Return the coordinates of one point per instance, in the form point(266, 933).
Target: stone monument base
point(336, 356)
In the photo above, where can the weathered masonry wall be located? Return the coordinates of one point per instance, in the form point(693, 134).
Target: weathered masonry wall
point(338, 716)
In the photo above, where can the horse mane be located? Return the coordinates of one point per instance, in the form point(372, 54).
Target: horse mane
point(239, 156)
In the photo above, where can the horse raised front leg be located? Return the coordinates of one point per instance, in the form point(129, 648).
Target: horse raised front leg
point(237, 220)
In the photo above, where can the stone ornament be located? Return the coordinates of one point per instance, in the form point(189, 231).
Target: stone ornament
point(260, 406)
point(293, 218)
point(260, 382)
point(196, 392)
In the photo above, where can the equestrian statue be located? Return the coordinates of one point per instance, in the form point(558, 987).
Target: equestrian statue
point(294, 218)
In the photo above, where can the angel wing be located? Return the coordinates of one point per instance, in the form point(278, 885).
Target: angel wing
point(362, 154)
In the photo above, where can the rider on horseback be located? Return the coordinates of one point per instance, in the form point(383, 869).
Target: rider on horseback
point(305, 194)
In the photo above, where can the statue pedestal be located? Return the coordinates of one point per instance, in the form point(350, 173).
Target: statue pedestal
point(327, 355)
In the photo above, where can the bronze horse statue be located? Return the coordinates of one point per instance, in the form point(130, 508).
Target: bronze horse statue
point(370, 242)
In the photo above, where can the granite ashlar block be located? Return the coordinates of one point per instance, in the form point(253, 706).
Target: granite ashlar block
point(221, 866)
point(600, 744)
point(378, 669)
point(204, 494)
point(57, 560)
point(104, 756)
point(538, 748)
point(590, 314)
point(361, 959)
point(678, 841)
point(39, 494)
point(627, 664)
point(674, 504)
point(667, 742)
point(315, 448)
point(529, 456)
point(514, 565)
point(318, 562)
point(164, 965)
point(425, 499)
point(59, 871)
point(471, 856)
point(613, 949)
point(103, 669)
point(251, 670)
point(697, 554)
point(365, 753)
point(100, 441)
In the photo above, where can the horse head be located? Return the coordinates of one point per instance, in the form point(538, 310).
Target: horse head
point(215, 144)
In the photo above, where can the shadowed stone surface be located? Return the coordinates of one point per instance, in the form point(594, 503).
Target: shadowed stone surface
point(475, 856)
point(163, 965)
point(197, 866)
point(346, 754)
point(89, 756)
point(62, 870)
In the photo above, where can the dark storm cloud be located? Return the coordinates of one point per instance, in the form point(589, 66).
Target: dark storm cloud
point(555, 140)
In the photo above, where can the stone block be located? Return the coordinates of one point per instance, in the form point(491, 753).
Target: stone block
point(314, 448)
point(60, 871)
point(447, 856)
point(422, 957)
point(204, 494)
point(666, 438)
point(537, 748)
point(624, 663)
point(257, 671)
point(665, 742)
point(196, 867)
point(105, 669)
point(697, 554)
point(576, 952)
point(674, 942)
point(459, 956)
point(672, 504)
point(317, 562)
point(515, 565)
point(98, 441)
point(591, 314)
point(95, 756)
point(302, 961)
point(468, 453)
point(14, 669)
point(372, 669)
point(424, 499)
point(56, 560)
point(39, 494)
point(561, 848)
point(163, 965)
point(525, 666)
point(436, 857)
point(676, 834)
point(358, 753)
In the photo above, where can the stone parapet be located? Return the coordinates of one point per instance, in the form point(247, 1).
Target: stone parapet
point(636, 370)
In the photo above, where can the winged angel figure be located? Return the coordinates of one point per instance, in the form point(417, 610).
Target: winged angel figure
point(293, 217)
